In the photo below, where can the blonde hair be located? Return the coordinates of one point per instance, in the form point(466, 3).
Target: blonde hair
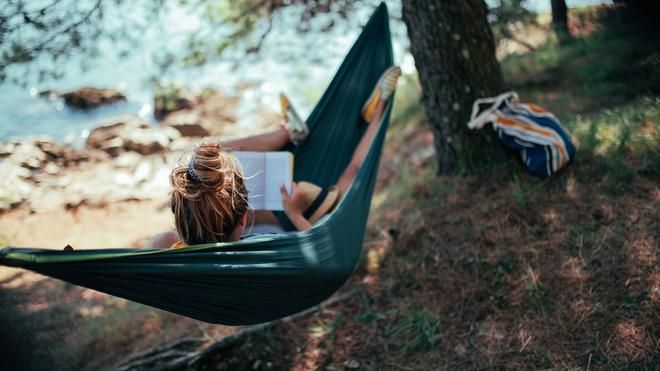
point(208, 196)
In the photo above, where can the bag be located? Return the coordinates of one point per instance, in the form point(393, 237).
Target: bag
point(544, 145)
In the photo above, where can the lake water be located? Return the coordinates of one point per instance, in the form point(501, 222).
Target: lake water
point(24, 114)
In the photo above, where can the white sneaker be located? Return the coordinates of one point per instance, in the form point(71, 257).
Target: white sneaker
point(297, 128)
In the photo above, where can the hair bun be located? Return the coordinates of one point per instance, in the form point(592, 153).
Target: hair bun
point(208, 195)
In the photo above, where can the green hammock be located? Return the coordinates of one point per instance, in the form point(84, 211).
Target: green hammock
point(249, 282)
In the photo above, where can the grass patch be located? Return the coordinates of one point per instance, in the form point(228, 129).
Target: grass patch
point(419, 331)
point(623, 141)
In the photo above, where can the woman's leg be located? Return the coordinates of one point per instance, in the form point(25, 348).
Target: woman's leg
point(273, 141)
point(361, 151)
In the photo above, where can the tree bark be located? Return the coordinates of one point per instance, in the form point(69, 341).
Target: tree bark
point(560, 20)
point(454, 52)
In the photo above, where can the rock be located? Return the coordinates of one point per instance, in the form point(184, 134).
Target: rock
point(28, 155)
point(51, 169)
point(210, 113)
point(7, 149)
point(188, 123)
point(90, 97)
point(52, 150)
point(352, 364)
point(183, 144)
point(130, 133)
point(50, 94)
point(127, 160)
point(172, 98)
point(16, 187)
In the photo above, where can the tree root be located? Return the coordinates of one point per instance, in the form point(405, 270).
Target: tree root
point(184, 353)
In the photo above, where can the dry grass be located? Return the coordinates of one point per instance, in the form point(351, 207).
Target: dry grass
point(472, 279)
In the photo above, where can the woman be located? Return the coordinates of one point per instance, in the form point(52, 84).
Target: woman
point(209, 199)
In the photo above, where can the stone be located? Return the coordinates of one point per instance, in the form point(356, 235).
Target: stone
point(128, 133)
point(172, 98)
point(188, 123)
point(352, 364)
point(7, 149)
point(90, 97)
point(50, 94)
point(28, 155)
point(51, 169)
point(50, 148)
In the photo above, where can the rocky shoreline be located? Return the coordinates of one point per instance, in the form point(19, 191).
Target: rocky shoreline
point(124, 158)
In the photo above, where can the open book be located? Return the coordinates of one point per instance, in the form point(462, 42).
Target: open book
point(264, 173)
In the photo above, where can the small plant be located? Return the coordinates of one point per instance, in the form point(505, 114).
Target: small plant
point(632, 302)
point(369, 315)
point(419, 329)
point(523, 191)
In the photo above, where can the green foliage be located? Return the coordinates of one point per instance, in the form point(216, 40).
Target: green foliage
point(169, 98)
point(623, 141)
point(368, 316)
point(407, 108)
point(616, 62)
point(538, 296)
point(632, 302)
point(507, 17)
point(524, 189)
point(233, 30)
point(420, 330)
point(34, 33)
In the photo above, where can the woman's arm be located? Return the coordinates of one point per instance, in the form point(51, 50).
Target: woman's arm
point(293, 207)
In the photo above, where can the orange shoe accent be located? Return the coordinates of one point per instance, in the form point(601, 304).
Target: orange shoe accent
point(369, 108)
point(284, 102)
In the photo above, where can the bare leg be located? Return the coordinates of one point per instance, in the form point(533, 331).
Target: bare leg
point(361, 151)
point(273, 141)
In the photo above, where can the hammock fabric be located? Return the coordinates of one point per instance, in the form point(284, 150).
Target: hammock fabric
point(249, 282)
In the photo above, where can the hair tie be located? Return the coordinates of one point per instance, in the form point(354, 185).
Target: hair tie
point(191, 170)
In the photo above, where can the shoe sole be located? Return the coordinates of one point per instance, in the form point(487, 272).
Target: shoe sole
point(370, 105)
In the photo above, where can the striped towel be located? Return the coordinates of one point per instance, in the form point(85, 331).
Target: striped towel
point(544, 145)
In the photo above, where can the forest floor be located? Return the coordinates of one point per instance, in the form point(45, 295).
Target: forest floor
point(494, 270)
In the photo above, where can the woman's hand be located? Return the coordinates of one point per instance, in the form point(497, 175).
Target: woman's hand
point(294, 205)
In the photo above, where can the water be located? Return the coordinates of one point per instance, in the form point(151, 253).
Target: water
point(24, 114)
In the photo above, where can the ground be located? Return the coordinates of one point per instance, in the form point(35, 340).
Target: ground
point(491, 270)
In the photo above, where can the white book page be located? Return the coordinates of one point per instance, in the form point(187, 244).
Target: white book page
point(253, 164)
point(279, 171)
point(264, 173)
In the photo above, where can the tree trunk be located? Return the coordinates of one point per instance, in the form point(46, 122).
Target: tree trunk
point(454, 52)
point(560, 20)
